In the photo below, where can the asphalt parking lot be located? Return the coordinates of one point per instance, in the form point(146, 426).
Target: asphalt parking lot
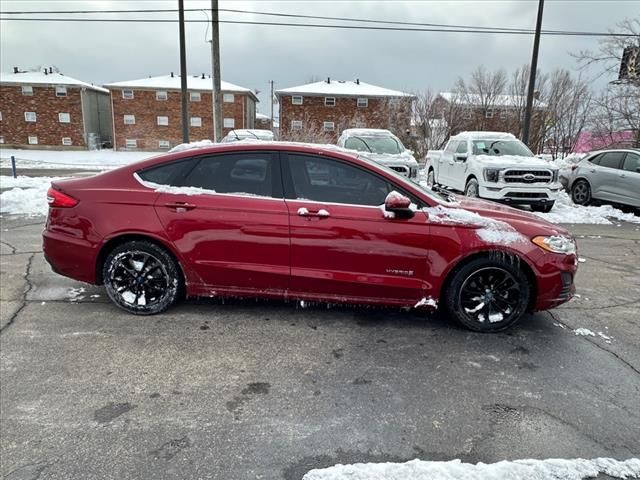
point(257, 390)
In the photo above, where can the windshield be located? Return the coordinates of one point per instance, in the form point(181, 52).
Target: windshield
point(374, 144)
point(496, 148)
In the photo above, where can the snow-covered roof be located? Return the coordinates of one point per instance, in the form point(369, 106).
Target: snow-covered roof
point(366, 132)
point(168, 82)
point(262, 116)
point(40, 78)
point(341, 88)
point(496, 101)
point(483, 135)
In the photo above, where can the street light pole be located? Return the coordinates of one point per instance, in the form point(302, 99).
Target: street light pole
point(216, 97)
point(532, 76)
point(183, 75)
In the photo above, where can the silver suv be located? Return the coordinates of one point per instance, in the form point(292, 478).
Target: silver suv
point(608, 175)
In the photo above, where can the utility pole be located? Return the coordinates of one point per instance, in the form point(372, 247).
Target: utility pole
point(183, 75)
point(271, 102)
point(215, 65)
point(532, 76)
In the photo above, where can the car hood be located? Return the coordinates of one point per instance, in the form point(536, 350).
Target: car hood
point(403, 158)
point(512, 161)
point(524, 222)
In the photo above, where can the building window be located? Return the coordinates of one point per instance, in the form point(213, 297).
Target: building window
point(164, 144)
point(1, 139)
point(127, 94)
point(30, 116)
point(61, 91)
point(66, 141)
point(503, 114)
point(296, 100)
point(361, 125)
point(64, 117)
point(129, 119)
point(27, 90)
point(161, 95)
point(228, 98)
point(363, 102)
point(0, 116)
point(488, 113)
point(228, 123)
point(329, 126)
point(329, 101)
point(194, 96)
point(163, 121)
point(467, 115)
point(196, 121)
point(394, 102)
point(296, 124)
point(131, 143)
point(33, 140)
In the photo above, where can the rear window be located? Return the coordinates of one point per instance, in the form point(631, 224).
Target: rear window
point(166, 174)
point(632, 162)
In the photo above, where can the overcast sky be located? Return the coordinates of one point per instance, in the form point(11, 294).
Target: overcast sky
point(252, 55)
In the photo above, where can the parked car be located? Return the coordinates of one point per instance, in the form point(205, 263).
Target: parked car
point(260, 220)
point(496, 166)
point(381, 146)
point(609, 175)
point(244, 134)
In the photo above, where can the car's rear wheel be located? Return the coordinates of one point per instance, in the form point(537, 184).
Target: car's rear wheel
point(487, 294)
point(581, 192)
point(142, 277)
point(542, 208)
point(472, 189)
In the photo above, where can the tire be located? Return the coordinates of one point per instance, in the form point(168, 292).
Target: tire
point(488, 294)
point(472, 189)
point(581, 192)
point(542, 208)
point(431, 178)
point(153, 292)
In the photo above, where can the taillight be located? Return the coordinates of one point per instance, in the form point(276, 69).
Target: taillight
point(57, 199)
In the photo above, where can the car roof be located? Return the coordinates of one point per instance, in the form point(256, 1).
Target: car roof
point(351, 132)
point(483, 135)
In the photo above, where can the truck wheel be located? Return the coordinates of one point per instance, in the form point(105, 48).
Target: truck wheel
point(431, 181)
point(472, 189)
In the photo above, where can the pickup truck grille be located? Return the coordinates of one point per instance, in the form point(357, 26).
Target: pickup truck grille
point(402, 170)
point(528, 176)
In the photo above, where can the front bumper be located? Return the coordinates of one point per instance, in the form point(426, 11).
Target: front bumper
point(555, 279)
point(521, 195)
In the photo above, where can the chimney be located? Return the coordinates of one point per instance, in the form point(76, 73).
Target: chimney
point(171, 74)
point(15, 70)
point(329, 80)
point(203, 77)
point(50, 69)
point(357, 81)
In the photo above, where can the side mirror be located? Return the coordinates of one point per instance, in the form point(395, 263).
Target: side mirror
point(461, 157)
point(399, 205)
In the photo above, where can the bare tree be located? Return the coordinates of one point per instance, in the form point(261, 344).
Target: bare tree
point(618, 107)
point(483, 90)
point(311, 132)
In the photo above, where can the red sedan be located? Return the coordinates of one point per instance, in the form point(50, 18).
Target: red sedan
point(277, 220)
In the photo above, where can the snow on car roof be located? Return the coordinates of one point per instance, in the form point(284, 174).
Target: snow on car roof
point(168, 82)
point(40, 78)
point(342, 88)
point(355, 132)
point(483, 135)
point(495, 101)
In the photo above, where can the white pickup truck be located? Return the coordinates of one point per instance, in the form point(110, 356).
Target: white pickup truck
point(495, 166)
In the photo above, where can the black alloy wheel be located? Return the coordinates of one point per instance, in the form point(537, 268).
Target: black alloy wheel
point(142, 278)
point(581, 192)
point(488, 295)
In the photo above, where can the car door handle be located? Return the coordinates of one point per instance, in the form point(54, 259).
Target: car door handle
point(180, 206)
point(322, 213)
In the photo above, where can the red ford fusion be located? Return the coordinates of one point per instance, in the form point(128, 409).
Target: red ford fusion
point(302, 222)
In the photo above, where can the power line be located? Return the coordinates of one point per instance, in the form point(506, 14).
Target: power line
point(454, 28)
point(315, 25)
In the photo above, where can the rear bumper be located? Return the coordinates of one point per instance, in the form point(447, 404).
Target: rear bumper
point(71, 257)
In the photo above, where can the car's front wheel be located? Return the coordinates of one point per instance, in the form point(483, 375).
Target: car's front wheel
point(142, 277)
point(488, 294)
point(472, 189)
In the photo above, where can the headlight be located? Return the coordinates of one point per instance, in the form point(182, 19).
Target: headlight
point(556, 244)
point(491, 174)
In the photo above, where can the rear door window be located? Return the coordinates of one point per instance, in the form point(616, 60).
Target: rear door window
point(632, 162)
point(167, 174)
point(611, 159)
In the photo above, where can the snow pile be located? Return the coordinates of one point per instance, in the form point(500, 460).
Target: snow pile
point(426, 302)
point(489, 230)
point(565, 211)
point(559, 469)
point(28, 195)
point(76, 159)
point(173, 190)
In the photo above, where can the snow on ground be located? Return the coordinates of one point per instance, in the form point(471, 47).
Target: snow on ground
point(27, 195)
point(75, 159)
point(558, 469)
point(565, 211)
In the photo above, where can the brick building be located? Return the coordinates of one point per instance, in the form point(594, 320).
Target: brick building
point(331, 106)
point(147, 112)
point(46, 109)
point(497, 113)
